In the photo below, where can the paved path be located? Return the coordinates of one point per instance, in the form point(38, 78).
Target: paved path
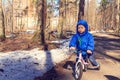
point(107, 49)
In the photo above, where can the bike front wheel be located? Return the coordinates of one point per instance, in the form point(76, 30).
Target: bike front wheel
point(78, 71)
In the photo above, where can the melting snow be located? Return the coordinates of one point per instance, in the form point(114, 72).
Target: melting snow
point(26, 65)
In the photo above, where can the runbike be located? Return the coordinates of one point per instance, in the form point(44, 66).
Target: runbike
point(80, 65)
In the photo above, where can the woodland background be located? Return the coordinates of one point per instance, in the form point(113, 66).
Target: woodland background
point(43, 18)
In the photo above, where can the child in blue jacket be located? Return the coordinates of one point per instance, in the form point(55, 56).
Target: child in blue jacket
point(84, 41)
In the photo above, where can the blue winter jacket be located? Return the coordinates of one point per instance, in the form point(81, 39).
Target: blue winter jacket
point(82, 41)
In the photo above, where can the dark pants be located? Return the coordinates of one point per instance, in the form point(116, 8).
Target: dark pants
point(92, 60)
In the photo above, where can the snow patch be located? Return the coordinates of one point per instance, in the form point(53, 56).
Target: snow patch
point(26, 65)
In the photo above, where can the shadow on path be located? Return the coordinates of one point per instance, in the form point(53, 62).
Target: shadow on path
point(110, 77)
point(103, 44)
point(51, 74)
point(69, 65)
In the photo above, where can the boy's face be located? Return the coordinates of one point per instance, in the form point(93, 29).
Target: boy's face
point(81, 29)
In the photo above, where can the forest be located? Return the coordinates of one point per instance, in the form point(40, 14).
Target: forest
point(43, 17)
point(35, 37)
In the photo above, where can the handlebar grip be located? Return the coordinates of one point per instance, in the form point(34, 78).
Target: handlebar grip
point(72, 51)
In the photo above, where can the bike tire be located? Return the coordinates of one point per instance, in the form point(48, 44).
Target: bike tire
point(78, 71)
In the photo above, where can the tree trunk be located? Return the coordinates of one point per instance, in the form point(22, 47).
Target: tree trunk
point(39, 36)
point(61, 13)
point(81, 9)
point(118, 17)
point(43, 21)
point(2, 27)
point(12, 16)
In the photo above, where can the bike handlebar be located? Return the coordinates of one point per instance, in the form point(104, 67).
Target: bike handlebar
point(73, 51)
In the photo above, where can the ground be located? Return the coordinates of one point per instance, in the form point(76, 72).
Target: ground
point(23, 42)
point(107, 49)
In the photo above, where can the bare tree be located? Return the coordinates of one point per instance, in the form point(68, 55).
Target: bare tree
point(108, 11)
point(41, 11)
point(67, 16)
point(2, 27)
point(81, 9)
point(91, 8)
point(118, 9)
point(43, 20)
point(61, 16)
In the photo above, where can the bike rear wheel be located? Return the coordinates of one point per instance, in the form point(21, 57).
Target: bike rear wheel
point(78, 71)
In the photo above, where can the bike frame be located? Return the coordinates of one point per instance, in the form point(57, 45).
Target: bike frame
point(81, 60)
point(80, 65)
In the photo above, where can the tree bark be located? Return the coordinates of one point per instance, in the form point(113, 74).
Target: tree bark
point(61, 15)
point(2, 27)
point(43, 21)
point(81, 9)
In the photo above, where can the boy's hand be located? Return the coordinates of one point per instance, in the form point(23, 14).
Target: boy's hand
point(89, 51)
point(72, 48)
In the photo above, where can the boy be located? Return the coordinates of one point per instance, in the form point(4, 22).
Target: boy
point(83, 40)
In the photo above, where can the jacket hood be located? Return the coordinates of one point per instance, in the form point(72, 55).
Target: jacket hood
point(85, 24)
